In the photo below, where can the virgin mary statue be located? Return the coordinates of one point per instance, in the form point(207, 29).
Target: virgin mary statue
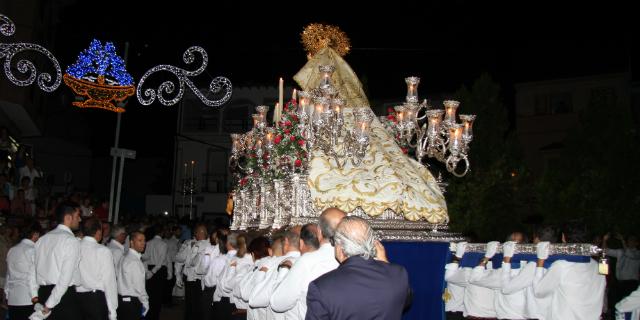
point(387, 184)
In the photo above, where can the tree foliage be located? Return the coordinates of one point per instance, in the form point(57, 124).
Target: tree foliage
point(488, 202)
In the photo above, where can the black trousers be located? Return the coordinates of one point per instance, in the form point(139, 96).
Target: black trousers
point(67, 309)
point(20, 312)
point(222, 309)
point(93, 305)
point(129, 308)
point(454, 315)
point(192, 298)
point(206, 303)
point(155, 288)
point(167, 294)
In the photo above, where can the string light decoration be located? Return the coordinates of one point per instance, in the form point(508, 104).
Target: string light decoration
point(219, 85)
point(27, 68)
point(99, 75)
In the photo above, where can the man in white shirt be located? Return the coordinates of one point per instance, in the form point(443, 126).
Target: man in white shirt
point(291, 294)
point(30, 171)
point(276, 251)
point(57, 257)
point(133, 301)
point(479, 298)
point(576, 289)
point(630, 304)
point(20, 288)
point(453, 275)
point(116, 244)
point(275, 272)
point(96, 284)
point(155, 259)
point(190, 254)
point(210, 267)
point(173, 244)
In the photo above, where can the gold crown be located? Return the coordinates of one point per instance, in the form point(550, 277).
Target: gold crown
point(317, 36)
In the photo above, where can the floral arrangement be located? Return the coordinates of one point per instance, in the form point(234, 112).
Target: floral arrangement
point(390, 123)
point(287, 155)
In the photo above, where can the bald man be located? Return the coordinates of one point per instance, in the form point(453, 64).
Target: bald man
point(362, 287)
point(291, 295)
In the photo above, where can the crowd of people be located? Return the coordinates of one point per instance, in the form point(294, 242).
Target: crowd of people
point(563, 289)
point(86, 269)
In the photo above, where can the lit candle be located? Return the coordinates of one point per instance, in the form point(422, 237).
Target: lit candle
point(193, 164)
point(294, 95)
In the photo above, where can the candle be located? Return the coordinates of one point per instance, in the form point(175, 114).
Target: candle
point(294, 96)
point(276, 114)
point(193, 164)
point(281, 95)
point(185, 171)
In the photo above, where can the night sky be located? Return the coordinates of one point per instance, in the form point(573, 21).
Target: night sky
point(447, 44)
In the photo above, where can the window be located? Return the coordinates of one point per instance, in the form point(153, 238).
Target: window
point(552, 103)
point(560, 103)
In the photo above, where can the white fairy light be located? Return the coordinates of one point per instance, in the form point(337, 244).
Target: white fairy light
point(217, 86)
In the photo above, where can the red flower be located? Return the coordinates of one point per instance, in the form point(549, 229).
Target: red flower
point(390, 110)
point(298, 162)
point(287, 131)
point(294, 117)
point(277, 139)
point(265, 156)
point(287, 123)
point(405, 150)
point(292, 138)
point(301, 142)
point(391, 117)
point(243, 181)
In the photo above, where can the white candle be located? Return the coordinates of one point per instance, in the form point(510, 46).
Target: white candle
point(185, 171)
point(281, 94)
point(276, 114)
point(294, 96)
point(193, 164)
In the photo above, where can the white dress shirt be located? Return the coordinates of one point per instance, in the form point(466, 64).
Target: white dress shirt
point(32, 174)
point(631, 303)
point(211, 265)
point(479, 301)
point(220, 293)
point(173, 245)
point(453, 275)
point(507, 306)
point(117, 250)
point(189, 255)
point(96, 272)
point(291, 294)
point(20, 286)
point(155, 254)
point(57, 256)
point(628, 264)
point(524, 280)
point(264, 289)
point(248, 284)
point(576, 290)
point(131, 278)
point(232, 276)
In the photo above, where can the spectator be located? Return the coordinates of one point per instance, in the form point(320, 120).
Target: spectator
point(30, 171)
point(361, 282)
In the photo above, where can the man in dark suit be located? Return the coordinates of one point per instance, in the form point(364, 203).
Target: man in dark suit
point(362, 287)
